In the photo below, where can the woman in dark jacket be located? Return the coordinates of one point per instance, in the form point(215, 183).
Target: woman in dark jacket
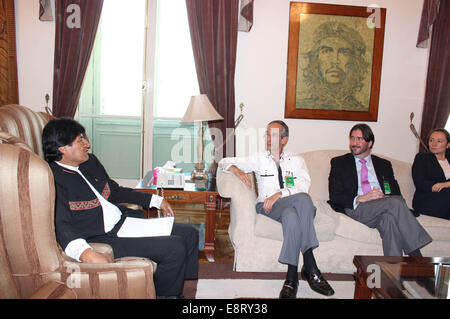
point(431, 175)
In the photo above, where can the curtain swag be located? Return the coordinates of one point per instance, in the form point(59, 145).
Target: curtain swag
point(429, 14)
point(246, 16)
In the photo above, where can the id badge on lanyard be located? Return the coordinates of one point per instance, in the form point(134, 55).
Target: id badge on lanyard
point(289, 179)
point(387, 188)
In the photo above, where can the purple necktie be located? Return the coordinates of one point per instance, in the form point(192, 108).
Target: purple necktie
point(365, 177)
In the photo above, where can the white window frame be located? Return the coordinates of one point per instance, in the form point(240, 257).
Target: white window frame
point(148, 87)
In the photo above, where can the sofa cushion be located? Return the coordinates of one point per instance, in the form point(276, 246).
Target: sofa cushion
point(351, 229)
point(324, 223)
point(318, 163)
point(437, 228)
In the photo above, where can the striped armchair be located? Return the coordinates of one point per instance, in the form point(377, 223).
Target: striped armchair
point(27, 199)
point(23, 127)
point(8, 288)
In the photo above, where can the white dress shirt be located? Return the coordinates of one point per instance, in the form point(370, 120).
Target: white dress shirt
point(266, 172)
point(372, 176)
point(111, 216)
point(445, 167)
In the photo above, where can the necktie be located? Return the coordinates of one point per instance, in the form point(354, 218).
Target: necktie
point(364, 177)
point(280, 177)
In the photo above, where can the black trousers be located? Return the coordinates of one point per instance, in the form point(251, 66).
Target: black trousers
point(176, 255)
point(436, 204)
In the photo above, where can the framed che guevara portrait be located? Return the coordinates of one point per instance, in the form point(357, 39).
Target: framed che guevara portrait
point(334, 64)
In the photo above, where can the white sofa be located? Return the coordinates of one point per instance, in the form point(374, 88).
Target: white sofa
point(257, 239)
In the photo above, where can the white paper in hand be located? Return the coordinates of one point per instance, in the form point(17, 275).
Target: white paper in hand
point(152, 227)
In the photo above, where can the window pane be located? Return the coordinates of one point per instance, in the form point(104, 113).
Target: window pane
point(122, 57)
point(176, 78)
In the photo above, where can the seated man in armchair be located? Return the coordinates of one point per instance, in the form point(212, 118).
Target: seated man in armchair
point(87, 210)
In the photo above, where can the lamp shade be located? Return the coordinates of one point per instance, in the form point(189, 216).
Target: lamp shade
point(200, 109)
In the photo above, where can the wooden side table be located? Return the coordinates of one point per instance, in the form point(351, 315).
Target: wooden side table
point(191, 195)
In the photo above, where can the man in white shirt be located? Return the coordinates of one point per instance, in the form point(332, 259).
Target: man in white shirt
point(363, 187)
point(88, 209)
point(283, 184)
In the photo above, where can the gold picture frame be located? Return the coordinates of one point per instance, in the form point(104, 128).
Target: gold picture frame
point(335, 55)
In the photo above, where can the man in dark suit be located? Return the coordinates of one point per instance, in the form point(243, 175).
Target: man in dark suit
point(363, 187)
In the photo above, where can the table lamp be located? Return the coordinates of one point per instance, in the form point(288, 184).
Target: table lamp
point(200, 110)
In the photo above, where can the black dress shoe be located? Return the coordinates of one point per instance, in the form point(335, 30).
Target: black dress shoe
point(289, 290)
point(317, 282)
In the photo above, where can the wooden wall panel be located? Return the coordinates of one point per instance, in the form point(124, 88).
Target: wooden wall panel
point(9, 92)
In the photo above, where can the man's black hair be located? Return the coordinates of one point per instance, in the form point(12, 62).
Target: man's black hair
point(366, 132)
point(57, 133)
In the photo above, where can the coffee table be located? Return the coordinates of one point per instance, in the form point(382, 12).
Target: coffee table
point(191, 195)
point(401, 277)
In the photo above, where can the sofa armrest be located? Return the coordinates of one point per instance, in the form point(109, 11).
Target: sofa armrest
point(125, 259)
point(124, 279)
point(54, 290)
point(229, 185)
point(103, 249)
point(242, 210)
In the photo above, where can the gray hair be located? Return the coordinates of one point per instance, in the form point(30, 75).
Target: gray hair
point(284, 130)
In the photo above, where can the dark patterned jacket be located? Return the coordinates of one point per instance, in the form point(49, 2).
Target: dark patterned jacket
point(78, 212)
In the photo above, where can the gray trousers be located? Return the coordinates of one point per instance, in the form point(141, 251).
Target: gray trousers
point(296, 214)
point(399, 229)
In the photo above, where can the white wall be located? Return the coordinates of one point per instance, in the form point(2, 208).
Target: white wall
point(261, 80)
point(261, 75)
point(35, 55)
